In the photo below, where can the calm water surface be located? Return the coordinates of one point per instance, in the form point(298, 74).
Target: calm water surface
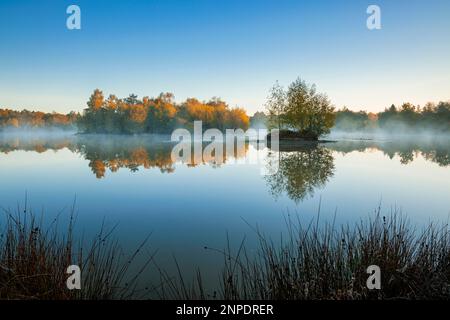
point(132, 181)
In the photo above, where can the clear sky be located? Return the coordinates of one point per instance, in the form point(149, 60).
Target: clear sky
point(234, 49)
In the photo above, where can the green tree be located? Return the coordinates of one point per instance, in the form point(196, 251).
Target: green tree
point(308, 112)
point(300, 109)
point(276, 106)
point(258, 120)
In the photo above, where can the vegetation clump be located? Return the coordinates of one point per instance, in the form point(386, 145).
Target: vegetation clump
point(299, 112)
point(406, 119)
point(325, 262)
point(34, 260)
point(11, 119)
point(157, 115)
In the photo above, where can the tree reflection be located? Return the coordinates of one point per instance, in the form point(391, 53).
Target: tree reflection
point(407, 150)
point(301, 172)
point(133, 154)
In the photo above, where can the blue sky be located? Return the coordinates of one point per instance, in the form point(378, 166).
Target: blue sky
point(232, 49)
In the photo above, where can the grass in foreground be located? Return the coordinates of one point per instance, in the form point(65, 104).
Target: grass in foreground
point(34, 260)
point(312, 262)
point(330, 263)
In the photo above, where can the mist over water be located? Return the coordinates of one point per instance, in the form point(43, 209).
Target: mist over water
point(36, 132)
point(423, 135)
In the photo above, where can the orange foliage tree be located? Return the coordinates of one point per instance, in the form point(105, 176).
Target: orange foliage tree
point(157, 115)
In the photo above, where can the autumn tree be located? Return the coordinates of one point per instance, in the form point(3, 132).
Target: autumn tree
point(238, 119)
point(156, 115)
point(26, 119)
point(96, 100)
point(112, 102)
point(162, 114)
point(221, 114)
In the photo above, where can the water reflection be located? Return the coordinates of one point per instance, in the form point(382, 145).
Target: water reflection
point(131, 152)
point(301, 171)
point(436, 150)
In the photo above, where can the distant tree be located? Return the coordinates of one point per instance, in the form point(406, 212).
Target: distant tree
point(347, 120)
point(443, 116)
point(388, 118)
point(409, 114)
point(163, 113)
point(258, 120)
point(96, 100)
point(372, 120)
point(156, 115)
point(220, 113)
point(34, 119)
point(198, 111)
point(131, 100)
point(238, 119)
point(12, 122)
point(112, 102)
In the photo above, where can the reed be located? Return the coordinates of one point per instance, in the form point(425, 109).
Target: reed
point(322, 261)
point(313, 261)
point(34, 260)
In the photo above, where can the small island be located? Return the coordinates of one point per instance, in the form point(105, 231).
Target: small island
point(300, 113)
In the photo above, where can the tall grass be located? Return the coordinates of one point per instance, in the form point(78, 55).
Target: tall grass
point(34, 260)
point(313, 261)
point(326, 262)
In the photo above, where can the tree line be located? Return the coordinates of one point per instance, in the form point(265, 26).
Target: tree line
point(407, 118)
point(11, 119)
point(160, 114)
point(299, 109)
point(302, 110)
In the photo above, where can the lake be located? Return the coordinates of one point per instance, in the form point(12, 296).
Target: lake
point(189, 205)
